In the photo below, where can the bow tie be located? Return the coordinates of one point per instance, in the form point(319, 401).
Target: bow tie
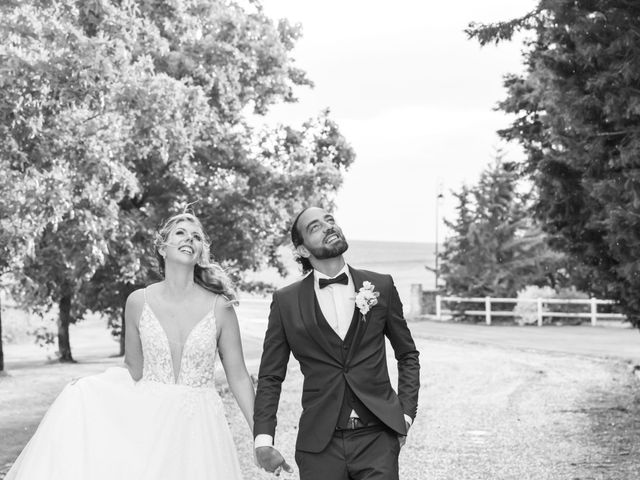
point(342, 278)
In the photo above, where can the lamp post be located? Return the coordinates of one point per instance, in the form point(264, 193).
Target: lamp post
point(436, 266)
point(436, 270)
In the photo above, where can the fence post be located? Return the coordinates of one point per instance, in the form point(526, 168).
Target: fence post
point(594, 312)
point(438, 307)
point(539, 312)
point(415, 305)
point(487, 310)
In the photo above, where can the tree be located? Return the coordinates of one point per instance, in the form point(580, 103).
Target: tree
point(577, 110)
point(455, 265)
point(57, 133)
point(132, 110)
point(28, 202)
point(496, 249)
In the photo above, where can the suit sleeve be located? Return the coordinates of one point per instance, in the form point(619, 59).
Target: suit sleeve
point(397, 331)
point(273, 369)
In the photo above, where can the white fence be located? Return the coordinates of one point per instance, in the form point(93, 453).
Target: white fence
point(592, 314)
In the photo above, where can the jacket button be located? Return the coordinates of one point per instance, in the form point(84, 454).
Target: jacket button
point(346, 369)
point(346, 347)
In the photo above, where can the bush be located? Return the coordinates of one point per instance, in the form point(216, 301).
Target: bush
point(526, 313)
point(257, 287)
point(568, 294)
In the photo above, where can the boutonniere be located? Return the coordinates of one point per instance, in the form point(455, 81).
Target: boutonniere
point(366, 298)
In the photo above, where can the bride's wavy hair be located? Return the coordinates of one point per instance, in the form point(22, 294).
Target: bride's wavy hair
point(206, 273)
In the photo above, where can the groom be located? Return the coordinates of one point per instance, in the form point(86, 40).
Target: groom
point(335, 321)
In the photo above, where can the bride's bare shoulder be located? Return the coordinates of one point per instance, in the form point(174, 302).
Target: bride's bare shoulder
point(224, 310)
point(136, 297)
point(135, 303)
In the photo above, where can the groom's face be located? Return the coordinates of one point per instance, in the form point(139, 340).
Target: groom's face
point(322, 237)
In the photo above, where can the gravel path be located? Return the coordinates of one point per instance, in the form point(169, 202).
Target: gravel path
point(486, 411)
point(492, 413)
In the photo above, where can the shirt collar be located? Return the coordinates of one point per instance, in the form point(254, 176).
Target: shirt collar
point(317, 275)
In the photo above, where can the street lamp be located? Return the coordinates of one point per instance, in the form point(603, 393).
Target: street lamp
point(437, 259)
point(436, 267)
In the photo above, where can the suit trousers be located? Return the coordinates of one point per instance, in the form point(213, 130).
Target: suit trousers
point(368, 453)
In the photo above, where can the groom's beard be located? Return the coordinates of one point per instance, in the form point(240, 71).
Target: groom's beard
point(330, 251)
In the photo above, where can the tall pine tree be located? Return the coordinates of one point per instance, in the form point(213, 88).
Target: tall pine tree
point(577, 109)
point(495, 248)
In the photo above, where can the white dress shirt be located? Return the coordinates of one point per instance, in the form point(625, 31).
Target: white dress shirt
point(337, 301)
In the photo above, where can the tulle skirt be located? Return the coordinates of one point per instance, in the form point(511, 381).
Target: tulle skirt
point(107, 427)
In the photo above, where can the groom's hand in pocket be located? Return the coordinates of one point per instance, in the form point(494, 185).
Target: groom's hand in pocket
point(402, 439)
point(271, 460)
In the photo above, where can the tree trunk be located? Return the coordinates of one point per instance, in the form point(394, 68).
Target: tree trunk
point(122, 334)
point(64, 319)
point(1, 351)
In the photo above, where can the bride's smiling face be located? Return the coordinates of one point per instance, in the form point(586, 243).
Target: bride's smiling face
point(185, 243)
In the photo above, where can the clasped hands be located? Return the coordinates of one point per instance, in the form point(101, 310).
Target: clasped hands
point(271, 460)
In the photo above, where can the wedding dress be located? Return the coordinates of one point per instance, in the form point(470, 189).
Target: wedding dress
point(166, 426)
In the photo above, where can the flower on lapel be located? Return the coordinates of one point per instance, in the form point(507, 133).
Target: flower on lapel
point(366, 298)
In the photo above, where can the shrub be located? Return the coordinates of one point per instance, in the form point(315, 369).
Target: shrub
point(526, 313)
point(569, 294)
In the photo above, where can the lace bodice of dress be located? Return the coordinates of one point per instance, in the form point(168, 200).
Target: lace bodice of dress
point(197, 364)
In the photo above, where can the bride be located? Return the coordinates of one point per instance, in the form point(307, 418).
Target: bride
point(163, 419)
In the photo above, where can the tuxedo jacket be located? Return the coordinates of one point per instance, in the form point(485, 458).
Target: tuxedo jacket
point(294, 328)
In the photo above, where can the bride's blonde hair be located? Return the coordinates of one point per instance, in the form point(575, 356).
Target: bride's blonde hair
point(206, 273)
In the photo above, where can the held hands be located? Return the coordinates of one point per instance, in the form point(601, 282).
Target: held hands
point(271, 460)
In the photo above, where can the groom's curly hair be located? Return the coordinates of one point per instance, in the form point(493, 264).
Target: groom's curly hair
point(296, 239)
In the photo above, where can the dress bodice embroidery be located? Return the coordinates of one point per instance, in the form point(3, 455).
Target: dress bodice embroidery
point(197, 363)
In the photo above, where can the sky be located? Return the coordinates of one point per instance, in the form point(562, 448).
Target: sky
point(413, 96)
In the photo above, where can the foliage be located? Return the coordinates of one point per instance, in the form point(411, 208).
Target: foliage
point(496, 249)
point(526, 313)
point(116, 114)
point(569, 293)
point(577, 109)
point(257, 287)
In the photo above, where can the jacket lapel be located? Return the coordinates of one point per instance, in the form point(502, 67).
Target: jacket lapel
point(358, 278)
point(307, 302)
